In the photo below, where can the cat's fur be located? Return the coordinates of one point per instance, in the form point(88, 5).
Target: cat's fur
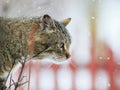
point(37, 37)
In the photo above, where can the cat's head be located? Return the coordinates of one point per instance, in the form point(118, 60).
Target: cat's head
point(52, 39)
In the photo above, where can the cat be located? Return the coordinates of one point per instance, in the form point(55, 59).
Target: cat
point(34, 38)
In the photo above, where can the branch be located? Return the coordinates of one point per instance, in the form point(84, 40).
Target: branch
point(20, 78)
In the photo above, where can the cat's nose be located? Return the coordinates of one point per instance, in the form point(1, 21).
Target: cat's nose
point(67, 54)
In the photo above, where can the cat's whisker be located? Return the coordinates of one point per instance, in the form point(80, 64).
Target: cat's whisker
point(60, 61)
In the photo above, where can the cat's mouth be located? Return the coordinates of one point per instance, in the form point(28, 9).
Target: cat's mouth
point(48, 53)
point(57, 59)
point(60, 60)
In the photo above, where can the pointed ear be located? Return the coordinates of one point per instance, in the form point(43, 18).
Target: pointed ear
point(46, 18)
point(65, 22)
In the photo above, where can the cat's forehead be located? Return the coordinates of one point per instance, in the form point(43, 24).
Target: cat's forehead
point(55, 28)
point(63, 30)
point(60, 26)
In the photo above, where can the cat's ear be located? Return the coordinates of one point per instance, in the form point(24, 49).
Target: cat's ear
point(65, 22)
point(46, 19)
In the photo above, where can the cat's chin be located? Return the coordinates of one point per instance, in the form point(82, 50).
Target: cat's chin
point(54, 59)
point(60, 60)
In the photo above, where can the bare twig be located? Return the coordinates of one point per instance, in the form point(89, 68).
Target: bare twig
point(23, 83)
point(20, 78)
point(10, 82)
point(20, 75)
point(29, 76)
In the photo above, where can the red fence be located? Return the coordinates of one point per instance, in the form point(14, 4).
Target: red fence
point(47, 76)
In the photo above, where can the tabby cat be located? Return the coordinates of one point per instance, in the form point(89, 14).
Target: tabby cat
point(34, 38)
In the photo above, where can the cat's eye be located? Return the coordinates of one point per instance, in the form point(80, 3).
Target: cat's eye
point(62, 45)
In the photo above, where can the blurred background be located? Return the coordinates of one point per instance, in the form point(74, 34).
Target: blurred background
point(95, 49)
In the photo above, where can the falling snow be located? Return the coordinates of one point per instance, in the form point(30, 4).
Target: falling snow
point(108, 29)
point(100, 58)
point(108, 58)
point(92, 17)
